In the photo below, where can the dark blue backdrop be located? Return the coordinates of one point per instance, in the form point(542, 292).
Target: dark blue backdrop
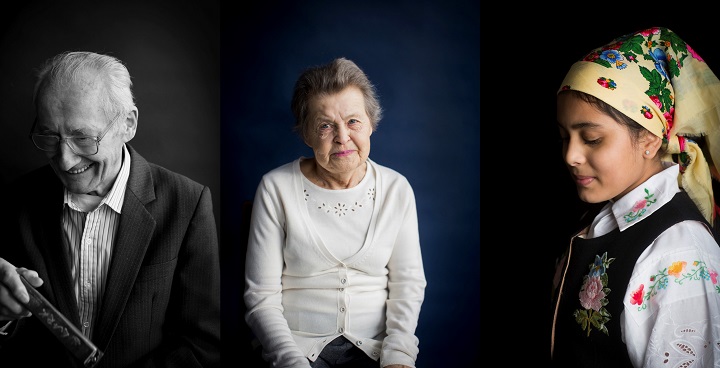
point(424, 58)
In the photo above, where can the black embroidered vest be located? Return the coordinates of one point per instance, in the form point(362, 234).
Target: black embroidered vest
point(573, 346)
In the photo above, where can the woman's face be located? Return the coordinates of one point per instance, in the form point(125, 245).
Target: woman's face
point(339, 131)
point(599, 151)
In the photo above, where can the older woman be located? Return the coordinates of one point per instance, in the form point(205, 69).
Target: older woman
point(334, 272)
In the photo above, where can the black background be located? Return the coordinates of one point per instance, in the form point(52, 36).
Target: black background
point(529, 206)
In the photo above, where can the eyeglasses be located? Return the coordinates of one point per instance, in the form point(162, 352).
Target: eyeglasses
point(85, 145)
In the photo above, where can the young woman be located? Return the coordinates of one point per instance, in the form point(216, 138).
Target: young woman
point(638, 287)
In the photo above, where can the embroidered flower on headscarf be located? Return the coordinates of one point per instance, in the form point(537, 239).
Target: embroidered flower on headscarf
point(591, 57)
point(646, 112)
point(669, 117)
point(678, 270)
point(614, 57)
point(657, 102)
point(683, 157)
point(592, 297)
point(650, 31)
point(694, 54)
point(660, 60)
point(607, 83)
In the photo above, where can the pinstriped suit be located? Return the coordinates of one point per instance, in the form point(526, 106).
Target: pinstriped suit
point(162, 301)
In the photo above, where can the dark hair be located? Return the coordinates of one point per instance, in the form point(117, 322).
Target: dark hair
point(329, 79)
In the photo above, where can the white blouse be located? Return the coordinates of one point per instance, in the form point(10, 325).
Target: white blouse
point(302, 291)
point(348, 209)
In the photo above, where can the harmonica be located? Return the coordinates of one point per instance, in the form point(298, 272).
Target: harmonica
point(69, 335)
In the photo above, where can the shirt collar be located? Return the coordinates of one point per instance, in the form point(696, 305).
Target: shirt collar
point(647, 198)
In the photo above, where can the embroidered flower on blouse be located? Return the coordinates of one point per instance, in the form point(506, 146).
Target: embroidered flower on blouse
point(371, 194)
point(639, 208)
point(636, 297)
point(593, 297)
point(341, 209)
point(678, 271)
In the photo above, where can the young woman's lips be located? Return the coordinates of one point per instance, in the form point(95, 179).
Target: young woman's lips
point(584, 180)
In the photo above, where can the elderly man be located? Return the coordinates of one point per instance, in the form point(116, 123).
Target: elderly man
point(125, 249)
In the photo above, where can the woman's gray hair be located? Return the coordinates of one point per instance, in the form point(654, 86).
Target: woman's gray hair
point(329, 79)
point(66, 68)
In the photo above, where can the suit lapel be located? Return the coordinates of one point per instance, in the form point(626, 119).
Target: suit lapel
point(133, 237)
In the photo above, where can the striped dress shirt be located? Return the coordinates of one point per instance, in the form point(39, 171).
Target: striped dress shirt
point(90, 224)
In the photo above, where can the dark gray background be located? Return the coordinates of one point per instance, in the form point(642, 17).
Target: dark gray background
point(172, 51)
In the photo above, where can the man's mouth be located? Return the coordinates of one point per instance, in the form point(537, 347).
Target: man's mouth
point(79, 170)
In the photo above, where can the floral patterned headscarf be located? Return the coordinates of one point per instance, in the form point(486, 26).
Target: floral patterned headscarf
point(659, 81)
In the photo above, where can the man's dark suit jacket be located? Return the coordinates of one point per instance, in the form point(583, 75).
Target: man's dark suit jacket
point(161, 306)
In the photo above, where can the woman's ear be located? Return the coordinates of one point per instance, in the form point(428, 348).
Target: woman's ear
point(650, 144)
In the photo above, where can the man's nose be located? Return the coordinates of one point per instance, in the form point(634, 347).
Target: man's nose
point(67, 158)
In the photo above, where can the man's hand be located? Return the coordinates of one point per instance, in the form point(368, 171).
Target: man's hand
point(13, 293)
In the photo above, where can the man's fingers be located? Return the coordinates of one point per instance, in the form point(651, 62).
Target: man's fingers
point(13, 294)
point(10, 284)
point(10, 308)
point(31, 276)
